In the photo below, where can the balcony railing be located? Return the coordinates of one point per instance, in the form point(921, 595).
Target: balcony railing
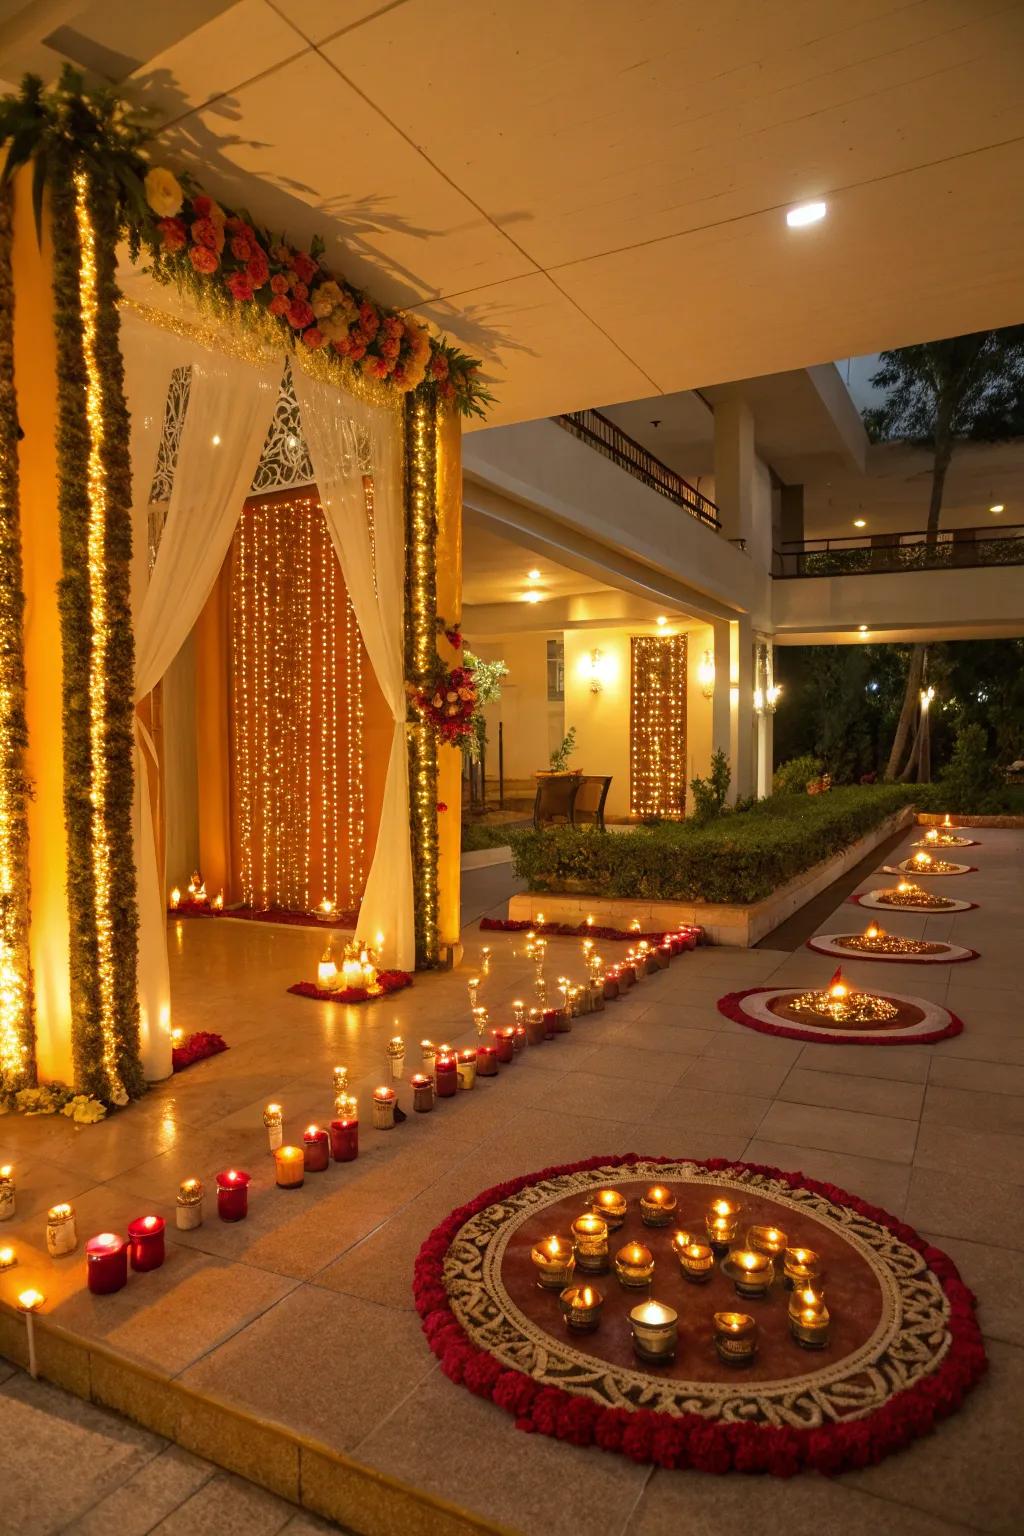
point(955, 548)
point(600, 433)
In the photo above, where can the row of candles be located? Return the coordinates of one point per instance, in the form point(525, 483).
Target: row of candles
point(654, 1325)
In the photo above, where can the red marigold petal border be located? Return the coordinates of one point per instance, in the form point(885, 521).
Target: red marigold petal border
point(690, 1440)
point(388, 981)
point(938, 1022)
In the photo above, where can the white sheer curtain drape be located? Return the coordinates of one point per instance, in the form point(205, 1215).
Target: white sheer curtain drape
point(342, 434)
point(230, 407)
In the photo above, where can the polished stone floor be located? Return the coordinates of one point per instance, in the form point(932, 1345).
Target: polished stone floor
point(303, 1314)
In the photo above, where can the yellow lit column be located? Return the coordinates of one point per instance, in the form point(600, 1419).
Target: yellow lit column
point(35, 365)
point(449, 606)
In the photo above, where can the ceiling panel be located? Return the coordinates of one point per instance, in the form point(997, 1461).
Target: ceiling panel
point(327, 162)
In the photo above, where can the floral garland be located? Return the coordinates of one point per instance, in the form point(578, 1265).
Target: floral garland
point(693, 933)
point(17, 1031)
point(447, 704)
point(690, 1440)
point(386, 983)
point(196, 1047)
point(54, 1099)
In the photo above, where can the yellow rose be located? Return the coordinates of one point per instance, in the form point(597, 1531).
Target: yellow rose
point(163, 192)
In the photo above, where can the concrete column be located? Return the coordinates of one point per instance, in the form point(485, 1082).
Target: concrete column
point(741, 709)
point(720, 708)
point(734, 466)
point(765, 753)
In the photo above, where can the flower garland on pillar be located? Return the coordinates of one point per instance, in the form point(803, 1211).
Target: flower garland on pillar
point(98, 648)
point(420, 662)
point(17, 1033)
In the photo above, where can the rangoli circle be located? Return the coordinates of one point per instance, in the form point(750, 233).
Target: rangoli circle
point(904, 1348)
point(873, 900)
point(908, 867)
point(939, 953)
point(769, 1010)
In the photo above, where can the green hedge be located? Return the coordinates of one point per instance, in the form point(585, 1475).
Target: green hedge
point(739, 858)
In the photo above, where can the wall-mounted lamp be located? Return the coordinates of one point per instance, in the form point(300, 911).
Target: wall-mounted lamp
point(927, 694)
point(596, 671)
point(765, 699)
point(706, 675)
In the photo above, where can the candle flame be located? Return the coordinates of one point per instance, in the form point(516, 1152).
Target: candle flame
point(837, 987)
point(29, 1300)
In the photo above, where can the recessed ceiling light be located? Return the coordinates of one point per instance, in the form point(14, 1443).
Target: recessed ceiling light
point(859, 522)
point(215, 439)
point(863, 628)
point(997, 508)
point(534, 575)
point(532, 597)
point(806, 213)
point(662, 619)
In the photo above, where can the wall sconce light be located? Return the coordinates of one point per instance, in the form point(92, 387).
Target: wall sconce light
point(706, 675)
point(765, 699)
point(774, 693)
point(596, 680)
point(759, 701)
point(927, 694)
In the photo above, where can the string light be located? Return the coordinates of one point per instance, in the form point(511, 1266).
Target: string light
point(658, 725)
point(293, 629)
point(421, 461)
point(97, 561)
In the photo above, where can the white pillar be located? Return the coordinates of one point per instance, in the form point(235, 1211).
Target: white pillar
point(734, 466)
point(741, 709)
point(720, 711)
point(765, 753)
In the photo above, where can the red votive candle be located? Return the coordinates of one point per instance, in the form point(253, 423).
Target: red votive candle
point(550, 1017)
point(106, 1263)
point(316, 1149)
point(446, 1076)
point(486, 1061)
point(611, 982)
point(146, 1236)
point(344, 1140)
point(233, 1194)
point(504, 1044)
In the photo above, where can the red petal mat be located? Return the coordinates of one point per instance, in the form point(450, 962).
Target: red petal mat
point(934, 1022)
point(389, 981)
point(731, 1439)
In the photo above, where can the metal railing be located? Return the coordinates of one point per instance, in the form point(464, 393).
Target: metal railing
point(954, 549)
point(600, 433)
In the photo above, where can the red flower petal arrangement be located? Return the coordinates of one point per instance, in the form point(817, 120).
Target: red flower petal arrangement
point(358, 981)
point(689, 1440)
point(196, 1047)
point(590, 931)
point(387, 982)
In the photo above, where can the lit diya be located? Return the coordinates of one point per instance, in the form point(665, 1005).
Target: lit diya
point(924, 863)
point(910, 896)
point(839, 1003)
point(937, 837)
point(875, 941)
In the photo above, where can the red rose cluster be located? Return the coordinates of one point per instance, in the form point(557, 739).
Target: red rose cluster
point(323, 312)
point(448, 703)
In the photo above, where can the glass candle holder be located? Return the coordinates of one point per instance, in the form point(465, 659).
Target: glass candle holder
point(751, 1273)
point(611, 983)
point(735, 1337)
point(697, 1262)
point(8, 1257)
point(810, 1327)
point(428, 1055)
point(486, 1061)
point(535, 1032)
point(316, 1149)
point(807, 1298)
point(146, 1242)
point(610, 1205)
point(465, 1067)
point(680, 1240)
point(106, 1263)
point(384, 1103)
point(634, 1266)
point(504, 1044)
point(519, 1011)
point(289, 1167)
point(721, 1222)
point(233, 1194)
point(394, 1056)
point(519, 1037)
point(8, 1192)
point(273, 1119)
point(769, 1240)
point(340, 1076)
point(581, 1307)
point(553, 1262)
point(657, 1206)
point(590, 1239)
point(61, 1234)
point(422, 1093)
point(800, 1265)
point(345, 1139)
point(446, 1076)
point(188, 1206)
point(655, 1331)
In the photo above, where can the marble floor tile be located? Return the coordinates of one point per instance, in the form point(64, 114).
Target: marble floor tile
point(840, 1130)
point(846, 1090)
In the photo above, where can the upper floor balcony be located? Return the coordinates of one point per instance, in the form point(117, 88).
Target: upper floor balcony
point(597, 431)
point(894, 553)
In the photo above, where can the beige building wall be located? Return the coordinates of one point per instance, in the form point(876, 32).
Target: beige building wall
point(532, 726)
point(601, 719)
point(698, 708)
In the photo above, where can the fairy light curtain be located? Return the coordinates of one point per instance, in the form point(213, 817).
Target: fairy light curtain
point(297, 665)
point(658, 725)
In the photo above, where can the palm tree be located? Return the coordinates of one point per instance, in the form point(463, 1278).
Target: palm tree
point(939, 394)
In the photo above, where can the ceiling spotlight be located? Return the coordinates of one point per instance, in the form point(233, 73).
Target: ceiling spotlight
point(806, 213)
point(533, 575)
point(859, 522)
point(215, 439)
point(997, 508)
point(862, 628)
point(662, 620)
point(532, 597)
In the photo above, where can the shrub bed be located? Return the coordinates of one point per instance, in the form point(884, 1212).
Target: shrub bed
point(740, 858)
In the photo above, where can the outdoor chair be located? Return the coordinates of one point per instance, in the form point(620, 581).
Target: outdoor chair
point(556, 794)
point(588, 806)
